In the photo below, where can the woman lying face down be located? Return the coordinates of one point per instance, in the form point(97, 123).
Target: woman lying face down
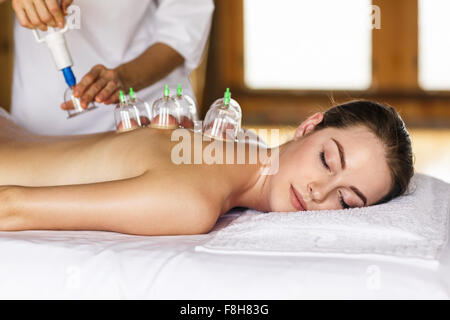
point(353, 155)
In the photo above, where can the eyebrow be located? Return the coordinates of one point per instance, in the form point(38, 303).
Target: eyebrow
point(342, 156)
point(359, 194)
point(341, 152)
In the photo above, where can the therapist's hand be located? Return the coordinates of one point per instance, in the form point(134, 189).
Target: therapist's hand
point(39, 14)
point(100, 84)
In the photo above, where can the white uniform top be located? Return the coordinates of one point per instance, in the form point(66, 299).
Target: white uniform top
point(111, 33)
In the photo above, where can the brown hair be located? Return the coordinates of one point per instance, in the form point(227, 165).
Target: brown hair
point(389, 127)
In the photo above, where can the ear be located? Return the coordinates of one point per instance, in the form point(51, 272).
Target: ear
point(308, 125)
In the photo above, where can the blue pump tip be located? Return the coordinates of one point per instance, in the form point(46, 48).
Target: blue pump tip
point(69, 76)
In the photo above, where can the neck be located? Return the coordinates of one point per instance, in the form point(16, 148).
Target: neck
point(252, 185)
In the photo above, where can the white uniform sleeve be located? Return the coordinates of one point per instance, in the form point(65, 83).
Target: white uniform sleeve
point(184, 25)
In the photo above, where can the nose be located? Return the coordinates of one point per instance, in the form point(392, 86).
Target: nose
point(318, 191)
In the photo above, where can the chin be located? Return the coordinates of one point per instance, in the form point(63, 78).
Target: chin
point(285, 208)
point(278, 204)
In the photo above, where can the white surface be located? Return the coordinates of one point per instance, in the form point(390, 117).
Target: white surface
point(304, 44)
point(112, 32)
point(76, 264)
point(44, 264)
point(434, 44)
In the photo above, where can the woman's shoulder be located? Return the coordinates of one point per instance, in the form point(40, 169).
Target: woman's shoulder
point(186, 190)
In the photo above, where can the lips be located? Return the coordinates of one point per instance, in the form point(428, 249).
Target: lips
point(297, 200)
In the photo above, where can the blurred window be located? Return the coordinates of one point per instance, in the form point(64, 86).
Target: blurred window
point(305, 44)
point(434, 44)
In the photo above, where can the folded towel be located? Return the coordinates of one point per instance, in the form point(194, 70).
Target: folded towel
point(414, 225)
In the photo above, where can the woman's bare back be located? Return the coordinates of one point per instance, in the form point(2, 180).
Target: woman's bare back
point(118, 182)
point(31, 160)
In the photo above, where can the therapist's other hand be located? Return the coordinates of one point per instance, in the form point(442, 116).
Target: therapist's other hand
point(100, 84)
point(40, 14)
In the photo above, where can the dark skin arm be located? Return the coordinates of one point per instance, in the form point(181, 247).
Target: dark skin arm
point(102, 84)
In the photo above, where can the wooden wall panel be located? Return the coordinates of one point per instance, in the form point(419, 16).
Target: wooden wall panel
point(395, 46)
point(6, 53)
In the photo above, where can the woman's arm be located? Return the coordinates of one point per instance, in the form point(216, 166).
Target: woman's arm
point(144, 205)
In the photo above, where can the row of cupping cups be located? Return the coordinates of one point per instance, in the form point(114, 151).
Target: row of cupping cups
point(222, 121)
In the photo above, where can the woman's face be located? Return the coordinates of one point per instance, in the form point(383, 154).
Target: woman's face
point(330, 169)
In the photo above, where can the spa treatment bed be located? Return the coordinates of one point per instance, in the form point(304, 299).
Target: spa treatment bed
point(397, 250)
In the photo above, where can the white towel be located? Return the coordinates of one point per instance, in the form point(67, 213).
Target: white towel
point(413, 226)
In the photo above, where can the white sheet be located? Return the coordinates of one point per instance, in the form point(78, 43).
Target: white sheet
point(91, 265)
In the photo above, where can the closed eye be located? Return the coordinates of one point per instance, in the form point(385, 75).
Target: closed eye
point(343, 204)
point(322, 158)
point(341, 198)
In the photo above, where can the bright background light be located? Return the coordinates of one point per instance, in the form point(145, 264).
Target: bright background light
point(434, 44)
point(308, 44)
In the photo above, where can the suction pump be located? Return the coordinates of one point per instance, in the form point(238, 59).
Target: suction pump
point(56, 42)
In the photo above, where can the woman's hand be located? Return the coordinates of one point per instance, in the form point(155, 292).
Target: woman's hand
point(34, 14)
point(101, 84)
